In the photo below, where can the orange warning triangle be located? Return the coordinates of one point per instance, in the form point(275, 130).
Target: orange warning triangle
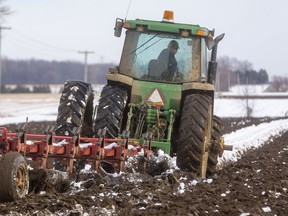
point(156, 98)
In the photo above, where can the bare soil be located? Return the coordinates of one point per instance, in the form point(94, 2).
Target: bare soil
point(256, 184)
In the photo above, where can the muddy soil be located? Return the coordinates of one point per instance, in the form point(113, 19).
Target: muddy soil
point(256, 184)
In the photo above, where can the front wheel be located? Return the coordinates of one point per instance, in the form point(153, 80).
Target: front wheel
point(14, 177)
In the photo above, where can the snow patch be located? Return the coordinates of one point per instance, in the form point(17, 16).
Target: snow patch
point(266, 209)
point(251, 137)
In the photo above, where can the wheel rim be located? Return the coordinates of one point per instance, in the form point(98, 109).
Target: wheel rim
point(21, 181)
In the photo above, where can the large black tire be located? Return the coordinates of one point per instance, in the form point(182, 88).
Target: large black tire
point(213, 155)
point(193, 124)
point(75, 109)
point(14, 177)
point(111, 109)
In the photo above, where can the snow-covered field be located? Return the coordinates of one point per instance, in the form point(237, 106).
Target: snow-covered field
point(43, 107)
point(260, 107)
point(15, 108)
point(251, 137)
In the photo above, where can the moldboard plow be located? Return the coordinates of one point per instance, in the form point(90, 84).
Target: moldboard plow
point(46, 150)
point(70, 148)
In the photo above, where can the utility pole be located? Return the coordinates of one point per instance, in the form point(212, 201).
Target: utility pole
point(1, 28)
point(85, 62)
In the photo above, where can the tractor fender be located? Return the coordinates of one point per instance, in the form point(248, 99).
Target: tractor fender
point(119, 78)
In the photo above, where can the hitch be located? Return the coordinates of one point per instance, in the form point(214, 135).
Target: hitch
point(219, 146)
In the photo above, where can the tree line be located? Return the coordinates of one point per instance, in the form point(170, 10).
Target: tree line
point(42, 73)
point(232, 71)
point(57, 72)
point(23, 72)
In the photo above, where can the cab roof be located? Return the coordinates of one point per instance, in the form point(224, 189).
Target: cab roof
point(169, 27)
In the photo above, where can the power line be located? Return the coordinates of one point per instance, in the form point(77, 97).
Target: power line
point(85, 61)
point(21, 44)
point(24, 41)
point(1, 28)
point(36, 41)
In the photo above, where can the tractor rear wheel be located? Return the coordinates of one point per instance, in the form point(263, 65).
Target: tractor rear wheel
point(110, 110)
point(14, 177)
point(75, 110)
point(215, 136)
point(75, 114)
point(193, 126)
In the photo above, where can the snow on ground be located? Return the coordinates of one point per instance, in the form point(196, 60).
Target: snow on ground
point(264, 107)
point(260, 107)
point(253, 89)
point(251, 137)
point(250, 90)
point(43, 107)
point(14, 108)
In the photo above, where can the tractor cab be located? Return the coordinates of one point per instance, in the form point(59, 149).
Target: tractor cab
point(163, 51)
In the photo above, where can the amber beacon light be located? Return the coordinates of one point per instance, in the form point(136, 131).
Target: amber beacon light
point(168, 16)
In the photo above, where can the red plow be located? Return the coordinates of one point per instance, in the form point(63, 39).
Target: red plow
point(70, 148)
point(44, 149)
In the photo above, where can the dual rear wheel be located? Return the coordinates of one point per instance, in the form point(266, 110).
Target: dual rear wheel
point(76, 111)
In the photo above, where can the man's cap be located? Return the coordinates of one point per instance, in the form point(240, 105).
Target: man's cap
point(173, 44)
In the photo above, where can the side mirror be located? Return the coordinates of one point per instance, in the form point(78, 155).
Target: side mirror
point(209, 42)
point(118, 27)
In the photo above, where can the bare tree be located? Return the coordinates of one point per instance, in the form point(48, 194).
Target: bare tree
point(233, 64)
point(247, 102)
point(279, 84)
point(227, 75)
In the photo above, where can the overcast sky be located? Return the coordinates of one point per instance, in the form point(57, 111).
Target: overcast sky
point(255, 30)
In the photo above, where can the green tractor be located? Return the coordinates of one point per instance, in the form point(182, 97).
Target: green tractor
point(167, 95)
point(161, 95)
point(162, 90)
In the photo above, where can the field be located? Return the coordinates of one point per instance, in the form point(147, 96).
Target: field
point(250, 181)
point(14, 108)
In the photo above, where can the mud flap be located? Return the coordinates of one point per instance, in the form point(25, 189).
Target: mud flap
point(204, 162)
point(206, 144)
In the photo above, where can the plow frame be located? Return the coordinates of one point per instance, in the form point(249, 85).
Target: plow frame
point(94, 151)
